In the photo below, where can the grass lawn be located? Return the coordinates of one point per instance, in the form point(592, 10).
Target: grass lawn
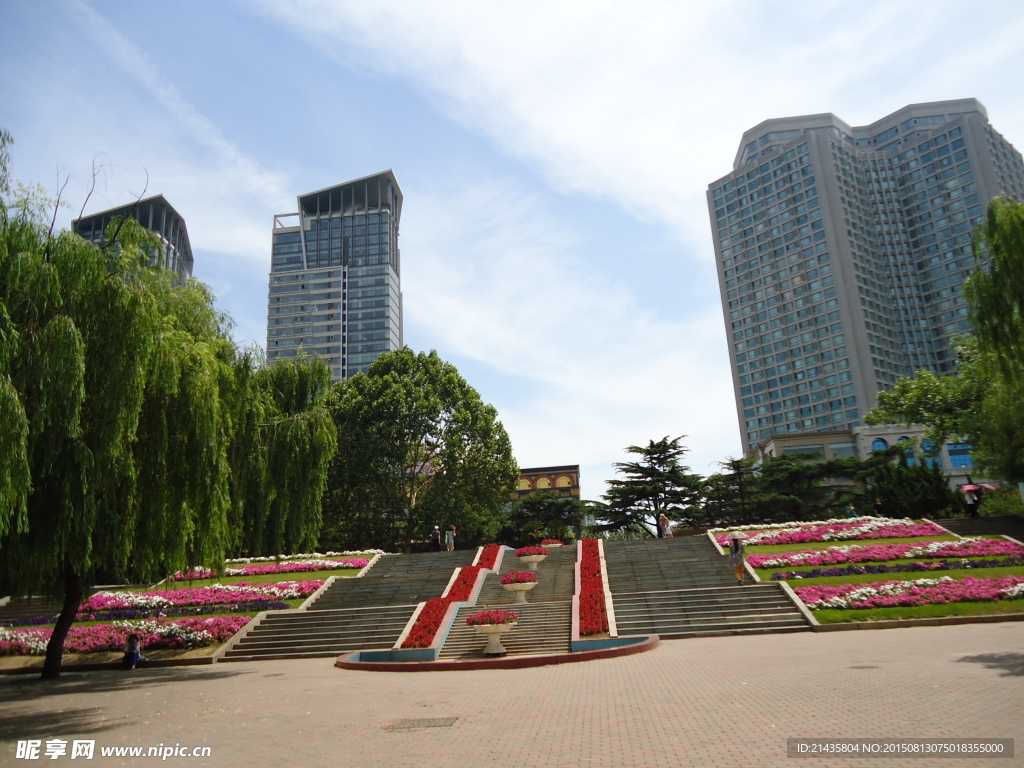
point(869, 578)
point(836, 616)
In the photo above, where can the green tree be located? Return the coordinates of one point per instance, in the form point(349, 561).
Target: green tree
point(915, 491)
point(119, 399)
point(417, 448)
point(981, 403)
point(542, 515)
point(656, 484)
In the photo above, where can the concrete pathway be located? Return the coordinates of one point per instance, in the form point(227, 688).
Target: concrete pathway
point(722, 701)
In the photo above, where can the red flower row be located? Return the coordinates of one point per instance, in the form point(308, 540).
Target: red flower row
point(422, 633)
point(593, 612)
point(489, 556)
point(531, 551)
point(429, 621)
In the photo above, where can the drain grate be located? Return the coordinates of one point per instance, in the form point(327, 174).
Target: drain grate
point(428, 722)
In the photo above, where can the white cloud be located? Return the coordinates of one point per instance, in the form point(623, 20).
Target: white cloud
point(501, 280)
point(226, 197)
point(644, 103)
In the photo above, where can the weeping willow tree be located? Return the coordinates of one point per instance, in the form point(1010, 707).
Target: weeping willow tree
point(135, 438)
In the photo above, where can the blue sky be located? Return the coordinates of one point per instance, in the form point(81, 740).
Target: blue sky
point(553, 157)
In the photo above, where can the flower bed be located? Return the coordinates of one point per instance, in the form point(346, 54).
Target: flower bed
point(519, 577)
point(490, 618)
point(856, 553)
point(929, 565)
point(297, 566)
point(155, 633)
point(430, 617)
point(306, 556)
point(462, 587)
point(593, 612)
point(835, 530)
point(554, 542)
point(911, 593)
point(489, 556)
point(532, 552)
point(215, 594)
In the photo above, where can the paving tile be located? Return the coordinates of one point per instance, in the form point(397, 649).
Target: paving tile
point(718, 701)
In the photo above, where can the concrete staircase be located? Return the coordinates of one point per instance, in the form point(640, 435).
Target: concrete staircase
point(396, 580)
point(545, 622)
point(311, 634)
point(732, 610)
point(354, 614)
point(682, 587)
point(654, 565)
point(1006, 525)
point(542, 628)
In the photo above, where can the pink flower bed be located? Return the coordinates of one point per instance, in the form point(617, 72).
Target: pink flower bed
point(155, 633)
point(909, 593)
point(862, 528)
point(295, 566)
point(215, 594)
point(877, 553)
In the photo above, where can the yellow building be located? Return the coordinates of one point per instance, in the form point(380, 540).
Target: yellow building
point(563, 481)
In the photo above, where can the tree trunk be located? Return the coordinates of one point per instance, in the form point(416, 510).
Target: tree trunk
point(72, 599)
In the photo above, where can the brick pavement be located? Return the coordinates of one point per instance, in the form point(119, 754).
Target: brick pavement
point(725, 701)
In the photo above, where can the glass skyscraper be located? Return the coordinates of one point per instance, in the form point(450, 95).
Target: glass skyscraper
point(335, 277)
point(156, 215)
point(842, 252)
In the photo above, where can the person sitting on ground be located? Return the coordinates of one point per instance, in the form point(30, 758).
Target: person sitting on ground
point(132, 652)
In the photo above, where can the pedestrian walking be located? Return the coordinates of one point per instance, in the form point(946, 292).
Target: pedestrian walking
point(851, 511)
point(665, 526)
point(449, 539)
point(737, 555)
point(435, 539)
point(971, 497)
point(879, 508)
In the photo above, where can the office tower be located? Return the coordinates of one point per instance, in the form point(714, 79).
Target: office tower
point(156, 215)
point(842, 252)
point(335, 276)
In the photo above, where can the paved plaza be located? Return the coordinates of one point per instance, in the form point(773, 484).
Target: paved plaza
point(724, 701)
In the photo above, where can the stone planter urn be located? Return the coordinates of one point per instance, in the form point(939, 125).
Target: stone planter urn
point(493, 633)
point(520, 589)
point(551, 544)
point(532, 560)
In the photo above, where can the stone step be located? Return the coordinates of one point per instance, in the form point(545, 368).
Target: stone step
point(542, 628)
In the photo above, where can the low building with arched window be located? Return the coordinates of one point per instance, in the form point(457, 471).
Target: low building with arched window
point(563, 481)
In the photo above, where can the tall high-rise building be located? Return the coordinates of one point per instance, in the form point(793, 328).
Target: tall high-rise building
point(842, 252)
point(335, 276)
point(156, 215)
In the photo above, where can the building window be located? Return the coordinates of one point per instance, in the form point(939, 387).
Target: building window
point(960, 456)
point(817, 450)
point(879, 444)
point(843, 450)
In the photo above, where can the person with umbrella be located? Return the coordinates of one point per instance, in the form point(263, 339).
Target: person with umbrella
point(970, 493)
point(737, 553)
